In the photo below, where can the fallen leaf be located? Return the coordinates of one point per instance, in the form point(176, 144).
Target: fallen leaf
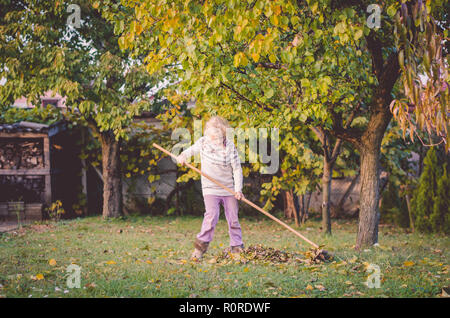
point(52, 262)
point(37, 277)
point(353, 260)
point(408, 263)
point(309, 287)
point(111, 262)
point(320, 287)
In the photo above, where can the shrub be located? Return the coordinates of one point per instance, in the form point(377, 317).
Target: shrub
point(430, 200)
point(440, 218)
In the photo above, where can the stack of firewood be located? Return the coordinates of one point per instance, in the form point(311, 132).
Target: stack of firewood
point(21, 188)
point(21, 155)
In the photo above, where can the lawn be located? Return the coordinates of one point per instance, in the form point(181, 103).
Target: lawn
point(149, 257)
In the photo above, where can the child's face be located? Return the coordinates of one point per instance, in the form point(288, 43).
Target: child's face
point(214, 134)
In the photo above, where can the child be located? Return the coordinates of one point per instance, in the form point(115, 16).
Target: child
point(219, 160)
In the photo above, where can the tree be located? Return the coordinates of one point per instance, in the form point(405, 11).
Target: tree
point(40, 51)
point(317, 61)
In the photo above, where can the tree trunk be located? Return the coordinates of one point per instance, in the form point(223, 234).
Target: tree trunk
point(411, 219)
point(112, 178)
point(369, 212)
point(289, 206)
point(326, 195)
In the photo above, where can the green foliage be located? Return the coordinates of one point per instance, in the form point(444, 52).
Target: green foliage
point(41, 52)
point(393, 208)
point(430, 201)
point(440, 218)
point(55, 211)
point(44, 115)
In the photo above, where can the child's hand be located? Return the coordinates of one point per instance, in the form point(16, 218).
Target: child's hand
point(239, 195)
point(181, 160)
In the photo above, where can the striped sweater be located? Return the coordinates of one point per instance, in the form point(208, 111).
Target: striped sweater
point(220, 162)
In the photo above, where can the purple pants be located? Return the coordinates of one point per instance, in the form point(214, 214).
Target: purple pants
point(212, 206)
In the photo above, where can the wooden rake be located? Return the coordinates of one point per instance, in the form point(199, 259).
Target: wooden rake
point(318, 254)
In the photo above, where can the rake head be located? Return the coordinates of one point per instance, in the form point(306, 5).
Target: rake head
point(318, 255)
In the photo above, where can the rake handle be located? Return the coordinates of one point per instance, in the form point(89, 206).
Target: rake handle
point(243, 199)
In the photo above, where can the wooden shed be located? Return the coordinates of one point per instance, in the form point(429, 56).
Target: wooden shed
point(36, 162)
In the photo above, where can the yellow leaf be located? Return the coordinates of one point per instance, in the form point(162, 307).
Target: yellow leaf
point(149, 261)
point(255, 57)
point(52, 262)
point(408, 263)
point(111, 262)
point(237, 60)
point(138, 29)
point(275, 20)
point(245, 269)
point(39, 277)
point(309, 287)
point(272, 58)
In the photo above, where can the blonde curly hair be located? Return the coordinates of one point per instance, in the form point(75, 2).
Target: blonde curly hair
point(217, 126)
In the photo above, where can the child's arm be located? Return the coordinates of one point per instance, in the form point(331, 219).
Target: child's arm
point(237, 170)
point(189, 152)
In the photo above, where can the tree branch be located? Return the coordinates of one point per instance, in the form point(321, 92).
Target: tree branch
point(375, 48)
point(337, 146)
point(242, 97)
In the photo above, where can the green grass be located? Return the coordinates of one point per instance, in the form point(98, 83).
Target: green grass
point(113, 257)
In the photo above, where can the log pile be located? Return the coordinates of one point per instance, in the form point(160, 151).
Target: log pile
point(21, 154)
point(21, 188)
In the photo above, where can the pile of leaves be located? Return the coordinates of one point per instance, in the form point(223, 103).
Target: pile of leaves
point(257, 253)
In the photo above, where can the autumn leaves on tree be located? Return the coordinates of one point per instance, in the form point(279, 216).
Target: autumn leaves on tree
point(315, 69)
point(314, 63)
